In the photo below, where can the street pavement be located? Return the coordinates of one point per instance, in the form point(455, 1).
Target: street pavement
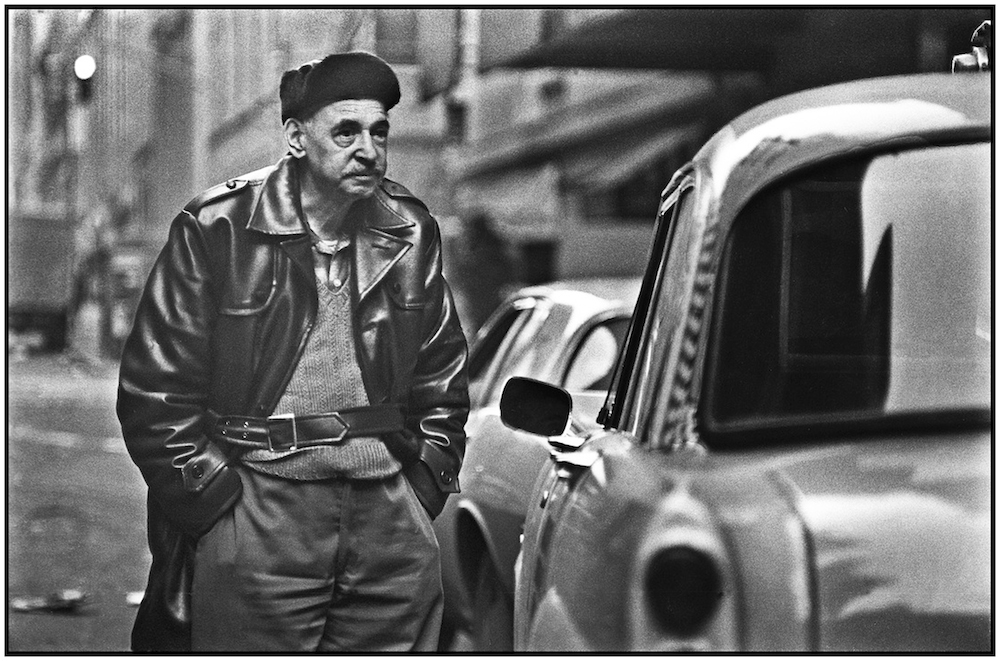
point(75, 507)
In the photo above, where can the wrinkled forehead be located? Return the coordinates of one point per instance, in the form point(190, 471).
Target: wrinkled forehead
point(364, 111)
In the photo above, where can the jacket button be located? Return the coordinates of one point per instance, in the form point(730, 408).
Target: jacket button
point(197, 471)
point(396, 287)
point(446, 477)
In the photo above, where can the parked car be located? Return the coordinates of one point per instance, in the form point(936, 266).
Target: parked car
point(568, 334)
point(796, 446)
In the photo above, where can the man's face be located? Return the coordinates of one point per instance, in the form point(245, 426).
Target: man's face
point(346, 143)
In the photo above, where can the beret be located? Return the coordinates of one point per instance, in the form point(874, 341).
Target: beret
point(337, 77)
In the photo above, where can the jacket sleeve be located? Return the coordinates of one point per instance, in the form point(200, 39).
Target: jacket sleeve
point(164, 385)
point(439, 395)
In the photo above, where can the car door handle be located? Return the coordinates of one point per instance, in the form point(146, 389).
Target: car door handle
point(569, 465)
point(566, 442)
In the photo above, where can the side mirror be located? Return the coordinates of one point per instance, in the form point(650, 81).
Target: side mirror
point(535, 406)
point(980, 58)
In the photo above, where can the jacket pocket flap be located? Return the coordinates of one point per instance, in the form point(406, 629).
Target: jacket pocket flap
point(441, 466)
point(404, 297)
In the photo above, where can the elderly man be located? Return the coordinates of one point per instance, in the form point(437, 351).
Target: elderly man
point(294, 392)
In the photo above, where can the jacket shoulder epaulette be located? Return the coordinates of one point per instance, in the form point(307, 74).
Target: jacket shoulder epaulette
point(400, 192)
point(215, 193)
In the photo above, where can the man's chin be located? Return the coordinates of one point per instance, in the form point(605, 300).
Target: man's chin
point(362, 187)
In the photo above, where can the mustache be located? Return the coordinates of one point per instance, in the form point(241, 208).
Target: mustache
point(367, 171)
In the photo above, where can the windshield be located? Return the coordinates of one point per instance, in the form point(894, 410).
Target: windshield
point(859, 289)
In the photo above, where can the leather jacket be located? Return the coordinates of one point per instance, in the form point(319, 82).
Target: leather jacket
point(224, 317)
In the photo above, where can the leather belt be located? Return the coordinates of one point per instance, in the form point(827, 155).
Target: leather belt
point(279, 433)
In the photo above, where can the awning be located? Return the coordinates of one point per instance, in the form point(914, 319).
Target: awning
point(607, 165)
point(717, 39)
point(675, 100)
point(793, 47)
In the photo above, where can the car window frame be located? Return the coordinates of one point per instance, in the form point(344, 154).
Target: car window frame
point(622, 386)
point(660, 393)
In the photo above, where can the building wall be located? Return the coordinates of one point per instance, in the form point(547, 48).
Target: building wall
point(41, 168)
point(239, 57)
point(535, 199)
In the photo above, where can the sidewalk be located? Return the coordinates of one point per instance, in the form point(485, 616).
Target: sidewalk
point(66, 367)
point(75, 506)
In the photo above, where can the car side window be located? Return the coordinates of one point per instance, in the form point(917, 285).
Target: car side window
point(488, 345)
point(855, 290)
point(593, 363)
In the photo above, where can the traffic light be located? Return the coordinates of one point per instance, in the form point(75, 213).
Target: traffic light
point(84, 68)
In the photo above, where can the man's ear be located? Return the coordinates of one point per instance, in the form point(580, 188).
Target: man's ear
point(294, 137)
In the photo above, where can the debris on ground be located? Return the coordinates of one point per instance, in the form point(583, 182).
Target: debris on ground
point(63, 601)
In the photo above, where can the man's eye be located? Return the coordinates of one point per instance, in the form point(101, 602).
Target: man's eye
point(344, 136)
point(380, 134)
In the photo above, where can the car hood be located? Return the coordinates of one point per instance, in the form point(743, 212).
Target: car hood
point(900, 536)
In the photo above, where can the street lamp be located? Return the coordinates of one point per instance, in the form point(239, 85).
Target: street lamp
point(84, 68)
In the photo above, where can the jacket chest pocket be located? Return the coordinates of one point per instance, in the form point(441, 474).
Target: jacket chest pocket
point(405, 292)
point(250, 285)
point(395, 321)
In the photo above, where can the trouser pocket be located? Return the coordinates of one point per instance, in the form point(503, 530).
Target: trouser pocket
point(218, 545)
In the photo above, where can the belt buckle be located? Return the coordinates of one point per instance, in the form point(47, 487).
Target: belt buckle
point(343, 423)
point(295, 432)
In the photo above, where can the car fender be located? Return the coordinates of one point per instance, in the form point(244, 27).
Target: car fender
point(552, 628)
point(473, 538)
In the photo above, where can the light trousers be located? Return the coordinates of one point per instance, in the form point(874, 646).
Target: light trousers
point(325, 565)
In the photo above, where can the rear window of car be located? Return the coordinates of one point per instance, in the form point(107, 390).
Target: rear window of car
point(860, 289)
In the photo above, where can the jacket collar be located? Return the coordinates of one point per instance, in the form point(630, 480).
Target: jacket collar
point(278, 212)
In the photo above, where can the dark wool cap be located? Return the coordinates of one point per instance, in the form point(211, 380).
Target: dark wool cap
point(340, 76)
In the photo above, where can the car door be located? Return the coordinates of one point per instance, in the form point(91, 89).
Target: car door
point(563, 541)
point(494, 343)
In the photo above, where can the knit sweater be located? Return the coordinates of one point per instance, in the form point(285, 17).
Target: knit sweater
point(326, 379)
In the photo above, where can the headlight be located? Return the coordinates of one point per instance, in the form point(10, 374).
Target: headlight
point(683, 590)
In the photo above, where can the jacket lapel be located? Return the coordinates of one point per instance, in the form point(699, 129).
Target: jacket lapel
point(299, 248)
point(377, 248)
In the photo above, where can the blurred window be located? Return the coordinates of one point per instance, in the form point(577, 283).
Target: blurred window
point(862, 288)
point(593, 363)
point(238, 38)
point(396, 35)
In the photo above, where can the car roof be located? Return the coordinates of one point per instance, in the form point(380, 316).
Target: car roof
point(595, 293)
point(791, 132)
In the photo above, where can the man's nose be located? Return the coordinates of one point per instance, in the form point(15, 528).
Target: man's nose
point(366, 147)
